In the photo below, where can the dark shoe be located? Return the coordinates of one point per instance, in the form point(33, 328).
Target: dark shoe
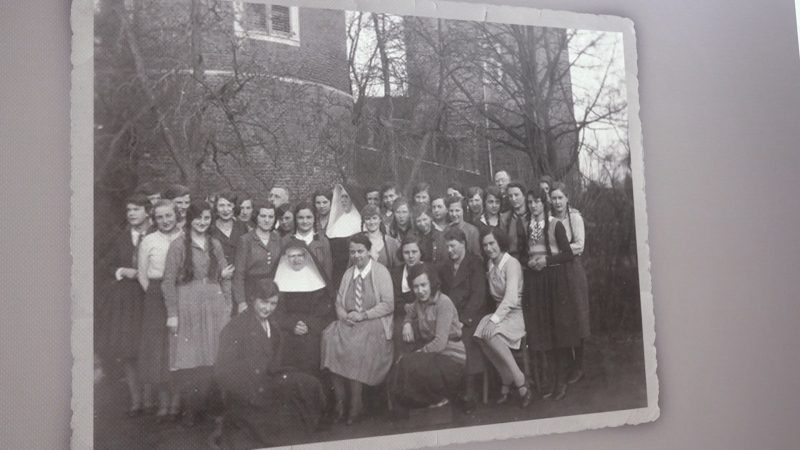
point(575, 377)
point(526, 398)
point(135, 412)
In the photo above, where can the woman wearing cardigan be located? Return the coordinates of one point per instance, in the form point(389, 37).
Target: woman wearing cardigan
point(357, 347)
point(197, 295)
point(504, 329)
point(433, 373)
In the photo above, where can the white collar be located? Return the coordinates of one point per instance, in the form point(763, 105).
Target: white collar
point(502, 262)
point(307, 238)
point(404, 281)
point(364, 272)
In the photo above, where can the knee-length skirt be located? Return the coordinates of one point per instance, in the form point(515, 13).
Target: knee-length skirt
point(511, 329)
point(202, 313)
point(358, 352)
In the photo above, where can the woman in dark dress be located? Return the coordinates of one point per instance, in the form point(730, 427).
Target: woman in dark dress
point(122, 321)
point(433, 373)
point(266, 403)
point(318, 245)
point(322, 209)
point(153, 358)
point(226, 229)
point(431, 240)
point(549, 310)
point(257, 253)
point(491, 217)
point(573, 224)
point(306, 305)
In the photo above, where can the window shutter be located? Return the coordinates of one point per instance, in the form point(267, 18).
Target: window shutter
point(281, 19)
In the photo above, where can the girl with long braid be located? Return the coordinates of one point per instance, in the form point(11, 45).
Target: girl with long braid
point(548, 308)
point(573, 224)
point(197, 294)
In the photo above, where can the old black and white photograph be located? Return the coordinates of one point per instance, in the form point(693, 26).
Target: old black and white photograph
point(400, 224)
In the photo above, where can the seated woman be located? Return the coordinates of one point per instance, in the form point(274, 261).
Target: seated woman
point(433, 373)
point(357, 347)
point(384, 248)
point(305, 308)
point(344, 221)
point(266, 403)
point(503, 330)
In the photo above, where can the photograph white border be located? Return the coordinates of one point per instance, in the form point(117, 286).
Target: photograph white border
point(82, 219)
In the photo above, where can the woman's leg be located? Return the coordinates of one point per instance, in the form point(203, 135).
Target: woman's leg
point(339, 394)
point(147, 396)
point(356, 404)
point(561, 358)
point(502, 351)
point(576, 369)
point(132, 379)
point(505, 376)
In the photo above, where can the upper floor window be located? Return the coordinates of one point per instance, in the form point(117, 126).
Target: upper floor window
point(264, 22)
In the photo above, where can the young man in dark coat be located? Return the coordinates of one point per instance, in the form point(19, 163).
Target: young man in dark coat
point(463, 279)
point(266, 403)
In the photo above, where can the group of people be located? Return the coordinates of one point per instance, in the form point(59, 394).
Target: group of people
point(287, 311)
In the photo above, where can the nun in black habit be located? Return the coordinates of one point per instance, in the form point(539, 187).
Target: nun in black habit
point(306, 305)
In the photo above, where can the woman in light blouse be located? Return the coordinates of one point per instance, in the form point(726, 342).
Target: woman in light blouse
point(433, 373)
point(503, 330)
point(153, 357)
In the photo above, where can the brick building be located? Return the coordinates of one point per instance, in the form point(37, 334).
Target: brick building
point(272, 91)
